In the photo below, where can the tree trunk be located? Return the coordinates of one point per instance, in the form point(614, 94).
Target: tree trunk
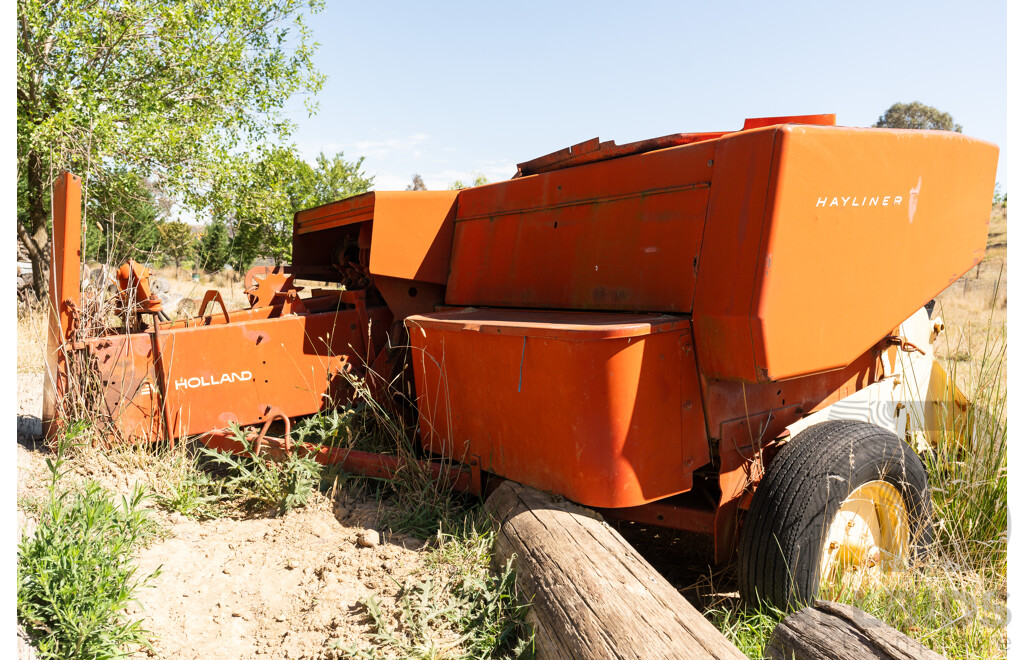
point(835, 631)
point(38, 258)
point(592, 594)
point(37, 242)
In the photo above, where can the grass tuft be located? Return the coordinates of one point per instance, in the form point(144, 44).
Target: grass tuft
point(459, 610)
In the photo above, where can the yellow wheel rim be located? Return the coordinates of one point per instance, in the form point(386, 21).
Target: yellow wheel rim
point(869, 532)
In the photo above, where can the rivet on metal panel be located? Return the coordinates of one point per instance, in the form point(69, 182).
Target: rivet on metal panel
point(710, 163)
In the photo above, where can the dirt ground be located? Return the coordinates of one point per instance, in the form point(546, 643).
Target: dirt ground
point(284, 587)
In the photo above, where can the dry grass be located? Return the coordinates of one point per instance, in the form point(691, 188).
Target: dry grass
point(32, 330)
point(181, 285)
point(230, 286)
point(974, 309)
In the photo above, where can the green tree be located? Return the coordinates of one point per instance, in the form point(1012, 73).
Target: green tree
point(417, 183)
point(998, 196)
point(177, 242)
point(174, 91)
point(478, 180)
point(917, 115)
point(214, 246)
point(125, 214)
point(336, 178)
point(278, 184)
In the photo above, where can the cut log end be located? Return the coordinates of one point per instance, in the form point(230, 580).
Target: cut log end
point(836, 631)
point(592, 595)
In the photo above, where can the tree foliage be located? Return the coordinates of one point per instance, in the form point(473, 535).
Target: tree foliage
point(917, 115)
point(417, 183)
point(276, 185)
point(478, 180)
point(124, 214)
point(177, 241)
point(171, 91)
point(998, 196)
point(214, 246)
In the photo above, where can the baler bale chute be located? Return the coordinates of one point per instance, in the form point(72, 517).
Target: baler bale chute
point(652, 329)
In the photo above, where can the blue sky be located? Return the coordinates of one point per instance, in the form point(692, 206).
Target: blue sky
point(445, 90)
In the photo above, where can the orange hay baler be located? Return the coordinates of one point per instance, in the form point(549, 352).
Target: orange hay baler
point(718, 332)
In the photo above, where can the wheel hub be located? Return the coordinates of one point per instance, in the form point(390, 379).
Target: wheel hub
point(869, 532)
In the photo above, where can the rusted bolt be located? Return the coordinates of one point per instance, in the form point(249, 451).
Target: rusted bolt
point(710, 162)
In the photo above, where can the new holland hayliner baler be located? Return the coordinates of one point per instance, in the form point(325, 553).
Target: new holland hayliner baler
point(717, 332)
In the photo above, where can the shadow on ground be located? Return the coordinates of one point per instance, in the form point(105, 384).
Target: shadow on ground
point(685, 559)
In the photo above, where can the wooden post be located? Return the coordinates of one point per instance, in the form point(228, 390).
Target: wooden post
point(836, 631)
point(592, 594)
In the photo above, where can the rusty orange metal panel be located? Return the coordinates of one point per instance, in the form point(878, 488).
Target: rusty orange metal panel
point(594, 150)
point(412, 232)
point(847, 233)
point(732, 236)
point(64, 293)
point(729, 401)
point(412, 235)
point(602, 408)
point(231, 372)
point(761, 122)
point(870, 225)
point(335, 214)
point(622, 234)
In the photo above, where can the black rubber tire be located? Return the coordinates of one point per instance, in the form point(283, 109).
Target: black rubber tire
point(781, 542)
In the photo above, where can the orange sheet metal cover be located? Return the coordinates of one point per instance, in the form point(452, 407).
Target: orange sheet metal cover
point(412, 230)
point(620, 234)
point(601, 408)
point(820, 240)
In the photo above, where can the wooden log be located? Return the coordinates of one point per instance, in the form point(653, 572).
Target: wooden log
point(592, 594)
point(836, 631)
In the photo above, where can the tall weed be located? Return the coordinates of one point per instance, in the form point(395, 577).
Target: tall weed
point(375, 422)
point(75, 572)
point(260, 483)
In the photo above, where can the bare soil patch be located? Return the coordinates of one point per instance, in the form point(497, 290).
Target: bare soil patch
point(283, 587)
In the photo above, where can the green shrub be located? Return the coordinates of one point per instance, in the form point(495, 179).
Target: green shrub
point(260, 483)
point(75, 573)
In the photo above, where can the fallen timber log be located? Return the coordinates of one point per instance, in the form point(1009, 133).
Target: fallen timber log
point(836, 631)
point(592, 594)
